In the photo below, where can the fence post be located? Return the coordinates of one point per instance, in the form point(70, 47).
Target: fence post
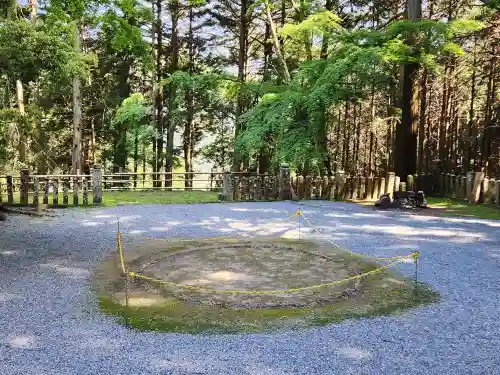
point(497, 192)
point(55, 191)
point(65, 192)
point(389, 189)
point(458, 187)
point(76, 188)
point(491, 192)
point(484, 188)
point(410, 182)
point(470, 182)
point(227, 187)
point(284, 183)
point(36, 188)
point(382, 185)
point(397, 181)
point(25, 184)
point(463, 188)
point(97, 185)
point(10, 190)
point(85, 193)
point(402, 186)
point(476, 186)
point(369, 189)
point(46, 188)
point(354, 188)
point(362, 188)
point(339, 182)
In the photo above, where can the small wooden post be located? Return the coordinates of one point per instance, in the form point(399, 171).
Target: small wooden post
point(497, 192)
point(491, 192)
point(36, 188)
point(325, 188)
point(347, 188)
point(381, 185)
point(46, 188)
point(452, 185)
point(397, 181)
point(464, 187)
point(258, 188)
point(236, 187)
point(484, 189)
point(458, 187)
point(85, 192)
point(476, 186)
point(389, 187)
point(76, 190)
point(410, 182)
point(442, 186)
point(362, 188)
point(227, 187)
point(284, 182)
point(266, 187)
point(354, 187)
point(369, 189)
point(318, 184)
point(97, 185)
point(469, 185)
point(10, 190)
point(339, 181)
point(376, 189)
point(55, 191)
point(65, 192)
point(25, 183)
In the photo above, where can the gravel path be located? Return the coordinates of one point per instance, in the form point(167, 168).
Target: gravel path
point(48, 325)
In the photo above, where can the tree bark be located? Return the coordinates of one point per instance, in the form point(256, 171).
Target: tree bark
point(421, 121)
point(174, 64)
point(286, 74)
point(406, 130)
point(76, 157)
point(188, 127)
point(242, 63)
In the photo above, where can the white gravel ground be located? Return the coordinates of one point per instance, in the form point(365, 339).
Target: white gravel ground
point(50, 324)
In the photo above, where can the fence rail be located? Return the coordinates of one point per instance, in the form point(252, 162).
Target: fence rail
point(66, 190)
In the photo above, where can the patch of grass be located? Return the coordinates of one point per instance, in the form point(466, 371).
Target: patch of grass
point(455, 207)
point(182, 317)
point(158, 197)
point(114, 198)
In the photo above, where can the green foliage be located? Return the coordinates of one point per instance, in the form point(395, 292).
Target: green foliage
point(31, 49)
point(290, 122)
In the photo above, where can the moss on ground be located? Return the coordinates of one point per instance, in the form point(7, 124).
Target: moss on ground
point(164, 309)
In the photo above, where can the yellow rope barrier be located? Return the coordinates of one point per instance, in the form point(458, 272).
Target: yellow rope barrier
point(277, 291)
point(396, 259)
point(120, 251)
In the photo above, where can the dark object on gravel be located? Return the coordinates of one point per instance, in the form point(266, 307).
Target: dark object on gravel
point(402, 199)
point(3, 217)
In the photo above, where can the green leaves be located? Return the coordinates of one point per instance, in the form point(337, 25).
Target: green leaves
point(31, 49)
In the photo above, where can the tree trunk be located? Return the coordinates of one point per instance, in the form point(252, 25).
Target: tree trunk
point(188, 143)
point(76, 157)
point(421, 121)
point(469, 139)
point(154, 96)
point(274, 33)
point(159, 94)
point(136, 155)
point(174, 63)
point(242, 62)
point(406, 130)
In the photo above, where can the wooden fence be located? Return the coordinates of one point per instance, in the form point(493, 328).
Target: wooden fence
point(85, 190)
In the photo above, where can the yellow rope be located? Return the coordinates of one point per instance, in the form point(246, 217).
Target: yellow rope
point(120, 251)
point(277, 291)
